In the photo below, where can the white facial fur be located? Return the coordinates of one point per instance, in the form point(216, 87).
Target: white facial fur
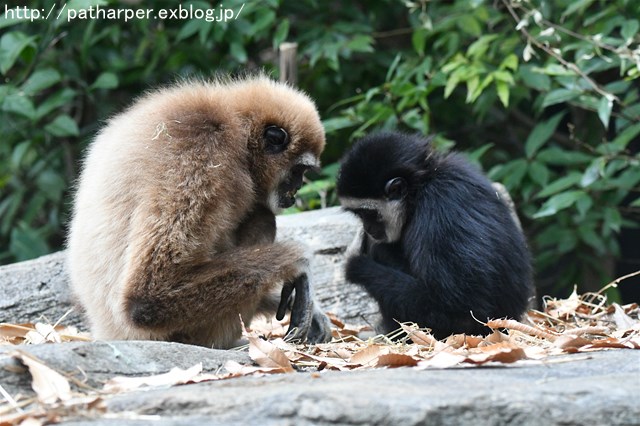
point(391, 212)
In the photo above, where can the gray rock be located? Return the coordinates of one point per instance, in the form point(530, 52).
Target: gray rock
point(38, 290)
point(95, 362)
point(596, 389)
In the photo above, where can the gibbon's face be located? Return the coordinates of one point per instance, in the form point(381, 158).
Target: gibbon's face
point(382, 219)
point(286, 138)
point(276, 142)
point(375, 179)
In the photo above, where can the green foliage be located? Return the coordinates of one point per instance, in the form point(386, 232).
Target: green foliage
point(544, 94)
point(548, 91)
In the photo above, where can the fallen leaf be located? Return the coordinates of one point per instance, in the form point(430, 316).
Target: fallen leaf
point(501, 353)
point(236, 369)
point(622, 320)
point(49, 385)
point(569, 342)
point(396, 360)
point(175, 376)
point(441, 360)
point(367, 356)
point(266, 354)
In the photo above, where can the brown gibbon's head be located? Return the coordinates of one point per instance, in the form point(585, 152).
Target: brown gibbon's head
point(285, 136)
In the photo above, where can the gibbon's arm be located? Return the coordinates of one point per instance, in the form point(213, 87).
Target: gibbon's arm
point(394, 290)
point(402, 298)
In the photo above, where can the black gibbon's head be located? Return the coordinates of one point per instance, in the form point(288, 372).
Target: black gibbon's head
point(286, 137)
point(377, 180)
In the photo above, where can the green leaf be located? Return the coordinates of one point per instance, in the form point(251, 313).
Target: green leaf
point(106, 80)
point(54, 101)
point(12, 20)
point(593, 172)
point(281, 33)
point(392, 67)
point(612, 219)
point(510, 62)
point(541, 134)
point(419, 40)
point(560, 185)
point(469, 25)
point(560, 157)
point(576, 5)
point(26, 243)
point(19, 152)
point(238, 52)
point(558, 202)
point(452, 82)
point(360, 43)
point(85, 4)
point(503, 92)
point(629, 30)
point(190, 28)
point(40, 80)
point(583, 204)
point(534, 79)
point(18, 103)
point(51, 184)
point(479, 47)
point(333, 124)
point(604, 110)
point(264, 20)
point(623, 139)
point(538, 172)
point(11, 46)
point(472, 85)
point(589, 236)
point(559, 96)
point(477, 153)
point(62, 126)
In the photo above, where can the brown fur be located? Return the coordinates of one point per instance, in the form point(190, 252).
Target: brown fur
point(171, 236)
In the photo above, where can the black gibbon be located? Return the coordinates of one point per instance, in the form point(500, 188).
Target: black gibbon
point(438, 244)
point(173, 228)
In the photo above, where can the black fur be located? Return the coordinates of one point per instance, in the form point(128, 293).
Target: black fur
point(460, 249)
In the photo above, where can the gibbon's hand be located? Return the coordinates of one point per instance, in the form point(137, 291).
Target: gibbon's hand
point(302, 309)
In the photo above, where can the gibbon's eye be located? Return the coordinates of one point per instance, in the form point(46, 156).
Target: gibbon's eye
point(276, 139)
point(395, 188)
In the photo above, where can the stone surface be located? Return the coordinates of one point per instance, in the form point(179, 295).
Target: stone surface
point(37, 290)
point(95, 362)
point(597, 388)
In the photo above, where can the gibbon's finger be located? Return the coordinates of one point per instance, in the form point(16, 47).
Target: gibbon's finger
point(285, 299)
point(320, 328)
point(302, 311)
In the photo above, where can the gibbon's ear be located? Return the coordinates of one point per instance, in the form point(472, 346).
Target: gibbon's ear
point(395, 189)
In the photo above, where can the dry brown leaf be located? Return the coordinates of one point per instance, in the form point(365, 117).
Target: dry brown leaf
point(570, 343)
point(441, 360)
point(39, 333)
point(418, 336)
point(335, 320)
point(266, 354)
point(523, 328)
point(176, 376)
point(396, 360)
point(236, 369)
point(622, 320)
point(502, 353)
point(49, 385)
point(368, 356)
